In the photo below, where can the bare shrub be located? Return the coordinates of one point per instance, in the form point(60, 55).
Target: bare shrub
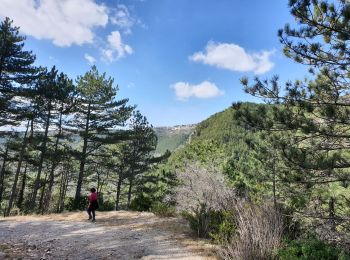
point(202, 195)
point(205, 196)
point(202, 186)
point(259, 233)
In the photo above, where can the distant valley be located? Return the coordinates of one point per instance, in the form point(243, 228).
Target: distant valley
point(171, 138)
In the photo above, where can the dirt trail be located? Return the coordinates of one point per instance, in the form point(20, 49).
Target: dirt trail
point(116, 235)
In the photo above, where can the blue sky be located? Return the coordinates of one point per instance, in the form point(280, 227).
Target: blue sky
point(180, 61)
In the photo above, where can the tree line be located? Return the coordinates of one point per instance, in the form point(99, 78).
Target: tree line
point(59, 136)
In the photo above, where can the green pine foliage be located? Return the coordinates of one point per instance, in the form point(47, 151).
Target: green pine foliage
point(311, 249)
point(313, 114)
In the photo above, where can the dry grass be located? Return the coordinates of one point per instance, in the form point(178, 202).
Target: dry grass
point(259, 233)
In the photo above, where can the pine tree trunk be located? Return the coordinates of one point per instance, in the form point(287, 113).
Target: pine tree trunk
point(83, 156)
point(65, 186)
point(19, 165)
point(63, 190)
point(129, 192)
point(43, 189)
point(119, 184)
point(2, 174)
point(23, 186)
point(41, 162)
point(54, 165)
point(331, 212)
point(98, 188)
point(59, 202)
point(274, 184)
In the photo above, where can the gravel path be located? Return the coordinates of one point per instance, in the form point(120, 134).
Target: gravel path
point(116, 235)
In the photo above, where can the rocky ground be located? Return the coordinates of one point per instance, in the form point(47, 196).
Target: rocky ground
point(116, 235)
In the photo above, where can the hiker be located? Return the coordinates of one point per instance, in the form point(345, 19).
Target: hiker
point(93, 204)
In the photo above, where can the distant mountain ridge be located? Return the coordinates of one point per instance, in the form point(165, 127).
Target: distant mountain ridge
point(171, 138)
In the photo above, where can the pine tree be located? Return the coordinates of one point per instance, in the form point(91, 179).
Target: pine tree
point(314, 113)
point(44, 101)
point(142, 144)
point(97, 114)
point(118, 163)
point(4, 165)
point(65, 104)
point(21, 156)
point(17, 74)
point(53, 95)
point(133, 157)
point(16, 69)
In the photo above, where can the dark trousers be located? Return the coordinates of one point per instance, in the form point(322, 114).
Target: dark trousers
point(91, 216)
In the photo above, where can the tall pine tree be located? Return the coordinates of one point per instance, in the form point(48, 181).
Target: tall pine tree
point(315, 113)
point(97, 114)
point(16, 69)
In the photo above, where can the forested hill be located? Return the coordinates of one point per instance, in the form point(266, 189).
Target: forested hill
point(223, 129)
point(220, 127)
point(217, 139)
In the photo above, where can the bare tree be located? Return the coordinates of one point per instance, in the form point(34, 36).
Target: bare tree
point(202, 186)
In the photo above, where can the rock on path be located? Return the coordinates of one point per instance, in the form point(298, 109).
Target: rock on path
point(116, 235)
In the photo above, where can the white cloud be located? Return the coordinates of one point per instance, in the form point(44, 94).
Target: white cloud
point(65, 22)
point(91, 60)
point(115, 49)
point(206, 89)
point(233, 57)
point(123, 19)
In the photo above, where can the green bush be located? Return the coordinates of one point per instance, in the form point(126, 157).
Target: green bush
point(163, 209)
point(205, 222)
point(311, 249)
point(141, 203)
point(224, 232)
point(106, 205)
point(80, 204)
point(27, 207)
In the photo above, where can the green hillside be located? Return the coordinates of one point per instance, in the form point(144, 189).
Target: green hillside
point(220, 127)
point(217, 140)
